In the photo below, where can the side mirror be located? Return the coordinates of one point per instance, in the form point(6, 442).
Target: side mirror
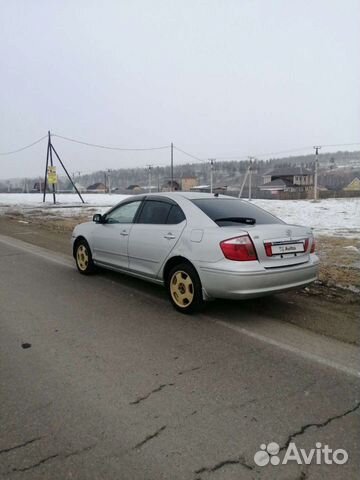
point(98, 218)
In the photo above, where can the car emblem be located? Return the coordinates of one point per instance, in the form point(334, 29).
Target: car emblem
point(288, 233)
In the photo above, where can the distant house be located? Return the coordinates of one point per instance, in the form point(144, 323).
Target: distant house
point(187, 183)
point(39, 187)
point(278, 185)
point(200, 188)
point(288, 179)
point(207, 188)
point(97, 188)
point(353, 186)
point(166, 187)
point(80, 187)
point(134, 188)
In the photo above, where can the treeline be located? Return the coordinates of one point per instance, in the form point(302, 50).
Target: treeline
point(228, 172)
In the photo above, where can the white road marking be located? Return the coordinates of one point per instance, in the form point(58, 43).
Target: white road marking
point(317, 348)
point(39, 251)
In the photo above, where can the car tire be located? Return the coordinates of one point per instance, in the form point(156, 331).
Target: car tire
point(83, 257)
point(184, 288)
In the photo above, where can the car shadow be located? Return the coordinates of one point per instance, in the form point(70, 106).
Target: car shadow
point(278, 307)
point(132, 282)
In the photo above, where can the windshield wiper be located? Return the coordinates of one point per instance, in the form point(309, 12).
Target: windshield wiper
point(246, 220)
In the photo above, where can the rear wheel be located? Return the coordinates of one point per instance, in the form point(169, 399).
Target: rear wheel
point(83, 258)
point(184, 288)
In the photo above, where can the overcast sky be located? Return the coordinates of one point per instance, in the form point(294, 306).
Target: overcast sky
point(218, 78)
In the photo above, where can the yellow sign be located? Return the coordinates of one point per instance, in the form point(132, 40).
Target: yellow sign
point(51, 175)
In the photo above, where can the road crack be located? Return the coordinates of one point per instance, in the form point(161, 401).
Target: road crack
point(145, 397)
point(21, 445)
point(304, 428)
point(303, 475)
point(188, 370)
point(34, 465)
point(149, 437)
point(50, 457)
point(79, 451)
point(237, 461)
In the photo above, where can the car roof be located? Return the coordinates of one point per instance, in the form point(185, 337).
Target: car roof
point(188, 195)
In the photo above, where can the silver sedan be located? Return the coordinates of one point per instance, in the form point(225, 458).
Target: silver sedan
point(199, 246)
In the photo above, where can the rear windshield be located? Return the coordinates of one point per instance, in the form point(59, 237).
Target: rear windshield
point(232, 211)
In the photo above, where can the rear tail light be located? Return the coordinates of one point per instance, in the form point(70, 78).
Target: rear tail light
point(313, 245)
point(268, 249)
point(239, 249)
point(306, 245)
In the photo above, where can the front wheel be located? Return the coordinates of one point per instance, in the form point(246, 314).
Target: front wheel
point(83, 257)
point(184, 288)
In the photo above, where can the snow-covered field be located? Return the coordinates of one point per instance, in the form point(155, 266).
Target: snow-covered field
point(333, 216)
point(23, 200)
point(67, 205)
point(339, 217)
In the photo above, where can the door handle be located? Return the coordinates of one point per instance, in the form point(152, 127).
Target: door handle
point(124, 233)
point(169, 236)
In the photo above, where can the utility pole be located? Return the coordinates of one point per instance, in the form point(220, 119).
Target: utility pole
point(51, 163)
point(316, 148)
point(246, 176)
point(158, 178)
point(243, 183)
point(172, 167)
point(250, 176)
point(49, 157)
point(212, 165)
point(46, 167)
point(149, 176)
point(109, 179)
point(74, 177)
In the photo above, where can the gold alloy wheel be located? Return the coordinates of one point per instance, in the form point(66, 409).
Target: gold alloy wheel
point(82, 257)
point(182, 289)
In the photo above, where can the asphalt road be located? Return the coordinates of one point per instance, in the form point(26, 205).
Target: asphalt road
point(117, 385)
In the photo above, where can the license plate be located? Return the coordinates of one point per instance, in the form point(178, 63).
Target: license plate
point(287, 248)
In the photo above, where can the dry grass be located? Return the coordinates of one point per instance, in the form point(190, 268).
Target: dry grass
point(340, 261)
point(51, 221)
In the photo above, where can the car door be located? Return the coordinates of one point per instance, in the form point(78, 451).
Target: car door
point(155, 233)
point(110, 239)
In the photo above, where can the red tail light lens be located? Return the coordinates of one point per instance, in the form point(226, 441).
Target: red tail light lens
point(313, 245)
point(306, 245)
point(240, 249)
point(268, 249)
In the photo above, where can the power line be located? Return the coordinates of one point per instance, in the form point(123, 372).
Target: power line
point(233, 157)
point(189, 154)
point(24, 148)
point(293, 150)
point(106, 147)
point(342, 145)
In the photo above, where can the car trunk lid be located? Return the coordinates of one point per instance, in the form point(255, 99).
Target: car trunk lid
point(281, 245)
point(278, 245)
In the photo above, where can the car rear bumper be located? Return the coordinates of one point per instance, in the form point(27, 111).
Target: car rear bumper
point(220, 283)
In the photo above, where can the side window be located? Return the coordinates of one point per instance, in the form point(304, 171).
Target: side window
point(176, 215)
point(123, 213)
point(154, 212)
